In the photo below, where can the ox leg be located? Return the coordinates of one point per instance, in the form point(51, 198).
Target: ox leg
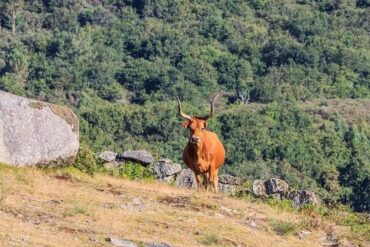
point(199, 180)
point(213, 178)
point(205, 181)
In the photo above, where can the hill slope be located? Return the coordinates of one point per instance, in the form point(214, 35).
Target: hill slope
point(68, 208)
point(120, 64)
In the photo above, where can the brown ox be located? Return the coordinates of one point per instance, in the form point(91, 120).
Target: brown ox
point(204, 153)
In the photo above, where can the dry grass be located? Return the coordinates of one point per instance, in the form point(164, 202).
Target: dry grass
point(68, 208)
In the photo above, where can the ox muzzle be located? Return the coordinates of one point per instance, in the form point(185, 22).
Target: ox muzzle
point(195, 140)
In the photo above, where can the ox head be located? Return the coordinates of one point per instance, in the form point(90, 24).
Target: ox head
point(196, 125)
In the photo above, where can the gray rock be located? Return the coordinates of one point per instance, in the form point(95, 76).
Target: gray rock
point(35, 133)
point(122, 243)
point(228, 188)
point(303, 197)
point(164, 170)
point(330, 240)
point(276, 186)
point(259, 188)
point(157, 245)
point(107, 156)
point(186, 178)
point(228, 179)
point(137, 201)
point(303, 234)
point(140, 156)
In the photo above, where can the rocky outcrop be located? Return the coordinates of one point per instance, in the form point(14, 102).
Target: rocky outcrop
point(35, 133)
point(271, 187)
point(228, 184)
point(139, 156)
point(259, 189)
point(127, 243)
point(303, 197)
point(186, 179)
point(165, 170)
point(276, 186)
point(228, 179)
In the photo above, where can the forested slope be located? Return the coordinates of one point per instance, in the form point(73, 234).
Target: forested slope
point(119, 65)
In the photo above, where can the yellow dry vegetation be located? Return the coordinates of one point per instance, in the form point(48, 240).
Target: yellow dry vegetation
point(68, 208)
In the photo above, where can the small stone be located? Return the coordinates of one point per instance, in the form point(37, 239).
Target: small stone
point(107, 205)
point(253, 224)
point(218, 215)
point(227, 210)
point(137, 201)
point(157, 245)
point(303, 234)
point(122, 243)
point(330, 240)
point(107, 156)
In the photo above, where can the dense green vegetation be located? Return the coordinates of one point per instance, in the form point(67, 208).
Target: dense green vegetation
point(119, 64)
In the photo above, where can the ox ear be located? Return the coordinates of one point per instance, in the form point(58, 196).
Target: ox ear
point(186, 124)
point(205, 124)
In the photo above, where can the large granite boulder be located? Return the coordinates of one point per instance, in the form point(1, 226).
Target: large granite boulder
point(35, 133)
point(165, 170)
point(140, 156)
point(186, 178)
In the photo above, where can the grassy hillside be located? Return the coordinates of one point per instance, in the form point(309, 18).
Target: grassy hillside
point(120, 64)
point(68, 208)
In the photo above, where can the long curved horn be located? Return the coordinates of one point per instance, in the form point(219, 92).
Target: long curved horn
point(183, 115)
point(210, 114)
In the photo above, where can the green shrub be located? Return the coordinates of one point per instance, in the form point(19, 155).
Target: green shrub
point(211, 239)
point(283, 204)
point(281, 227)
point(131, 171)
point(86, 160)
point(75, 210)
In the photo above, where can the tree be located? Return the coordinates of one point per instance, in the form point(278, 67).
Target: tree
point(12, 7)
